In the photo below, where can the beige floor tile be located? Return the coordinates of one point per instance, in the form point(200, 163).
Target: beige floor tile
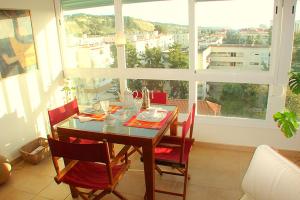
point(55, 191)
point(40, 198)
point(132, 183)
point(29, 182)
point(11, 193)
point(220, 194)
point(215, 175)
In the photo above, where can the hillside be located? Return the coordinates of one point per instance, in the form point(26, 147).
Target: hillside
point(79, 24)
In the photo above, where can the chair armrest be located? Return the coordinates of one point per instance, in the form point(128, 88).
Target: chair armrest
point(120, 155)
point(64, 171)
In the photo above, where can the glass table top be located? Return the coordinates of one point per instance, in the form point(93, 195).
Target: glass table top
point(116, 125)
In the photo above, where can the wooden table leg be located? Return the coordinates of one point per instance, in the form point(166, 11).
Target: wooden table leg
point(173, 127)
point(148, 158)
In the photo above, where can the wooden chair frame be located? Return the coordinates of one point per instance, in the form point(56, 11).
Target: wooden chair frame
point(68, 110)
point(113, 180)
point(152, 100)
point(180, 166)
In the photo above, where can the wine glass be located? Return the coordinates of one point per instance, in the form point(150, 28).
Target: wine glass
point(138, 104)
point(105, 106)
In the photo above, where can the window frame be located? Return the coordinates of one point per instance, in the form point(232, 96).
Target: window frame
point(276, 77)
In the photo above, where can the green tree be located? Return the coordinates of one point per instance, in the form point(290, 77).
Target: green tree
point(292, 102)
point(232, 37)
point(296, 53)
point(179, 89)
point(132, 58)
point(243, 100)
point(249, 39)
point(153, 58)
point(177, 58)
point(160, 28)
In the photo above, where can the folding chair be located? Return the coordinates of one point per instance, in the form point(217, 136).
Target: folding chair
point(89, 167)
point(62, 113)
point(173, 151)
point(156, 97)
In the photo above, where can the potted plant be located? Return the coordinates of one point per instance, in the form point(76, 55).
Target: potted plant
point(68, 90)
point(287, 120)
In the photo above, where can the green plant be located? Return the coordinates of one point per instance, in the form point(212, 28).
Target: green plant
point(68, 90)
point(287, 120)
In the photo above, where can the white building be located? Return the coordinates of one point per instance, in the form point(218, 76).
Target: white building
point(183, 39)
point(236, 56)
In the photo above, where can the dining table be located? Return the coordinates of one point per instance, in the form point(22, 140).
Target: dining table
point(119, 131)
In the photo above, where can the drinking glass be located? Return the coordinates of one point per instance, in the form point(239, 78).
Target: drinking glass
point(105, 106)
point(138, 104)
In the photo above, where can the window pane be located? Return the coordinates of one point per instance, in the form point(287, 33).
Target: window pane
point(157, 34)
point(234, 34)
point(89, 38)
point(233, 99)
point(89, 90)
point(292, 102)
point(178, 91)
point(296, 48)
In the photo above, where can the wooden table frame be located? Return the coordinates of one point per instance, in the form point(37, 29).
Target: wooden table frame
point(147, 144)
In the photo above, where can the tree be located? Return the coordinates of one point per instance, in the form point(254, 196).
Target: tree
point(160, 28)
point(177, 58)
point(232, 37)
point(243, 99)
point(132, 59)
point(296, 53)
point(153, 58)
point(249, 39)
point(179, 89)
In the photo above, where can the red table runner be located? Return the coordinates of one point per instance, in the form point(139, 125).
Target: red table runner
point(100, 117)
point(144, 124)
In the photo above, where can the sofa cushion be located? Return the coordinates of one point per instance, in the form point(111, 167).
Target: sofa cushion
point(270, 176)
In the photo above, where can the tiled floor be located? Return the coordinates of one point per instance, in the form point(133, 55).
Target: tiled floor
point(215, 175)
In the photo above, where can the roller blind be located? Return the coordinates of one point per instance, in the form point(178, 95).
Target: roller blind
point(80, 4)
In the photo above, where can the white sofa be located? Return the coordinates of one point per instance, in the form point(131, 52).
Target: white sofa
point(270, 176)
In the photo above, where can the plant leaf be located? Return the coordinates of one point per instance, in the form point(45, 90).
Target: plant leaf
point(294, 82)
point(287, 122)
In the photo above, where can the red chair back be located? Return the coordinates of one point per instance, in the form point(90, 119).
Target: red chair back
point(98, 152)
point(63, 112)
point(187, 126)
point(189, 123)
point(155, 97)
point(159, 97)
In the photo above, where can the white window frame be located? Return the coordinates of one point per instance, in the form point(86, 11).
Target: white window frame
point(276, 77)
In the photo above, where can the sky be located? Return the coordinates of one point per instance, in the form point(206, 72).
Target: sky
point(231, 14)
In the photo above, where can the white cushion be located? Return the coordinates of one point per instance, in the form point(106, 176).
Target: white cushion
point(270, 176)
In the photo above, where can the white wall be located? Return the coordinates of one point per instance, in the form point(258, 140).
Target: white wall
point(24, 98)
point(242, 133)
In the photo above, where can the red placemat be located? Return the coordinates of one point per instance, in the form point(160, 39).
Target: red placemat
point(144, 124)
point(100, 117)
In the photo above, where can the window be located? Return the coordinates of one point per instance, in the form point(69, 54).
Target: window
point(234, 27)
point(292, 100)
point(89, 38)
point(178, 91)
point(234, 59)
point(233, 99)
point(157, 34)
point(90, 90)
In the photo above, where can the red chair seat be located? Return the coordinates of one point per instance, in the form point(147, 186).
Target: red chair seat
point(166, 154)
point(90, 175)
